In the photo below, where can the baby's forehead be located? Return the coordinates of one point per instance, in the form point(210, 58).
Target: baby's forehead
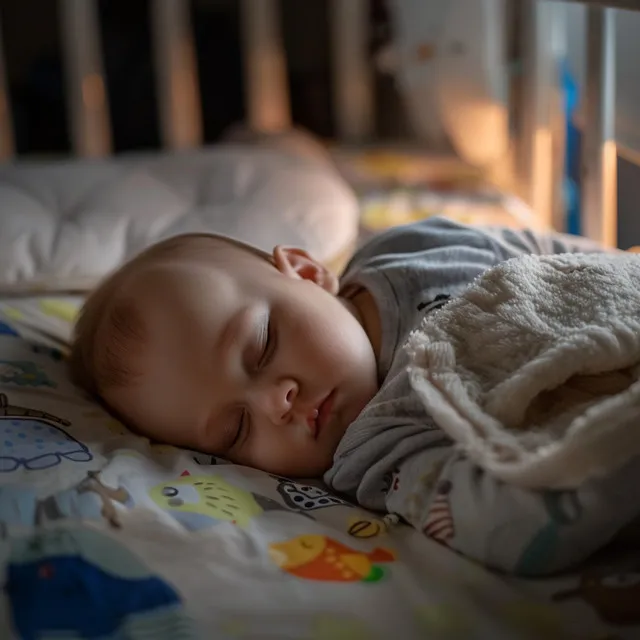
point(226, 275)
point(175, 282)
point(174, 287)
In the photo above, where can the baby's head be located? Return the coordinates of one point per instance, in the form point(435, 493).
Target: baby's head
point(213, 345)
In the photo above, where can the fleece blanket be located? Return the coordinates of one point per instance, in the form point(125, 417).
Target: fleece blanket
point(534, 371)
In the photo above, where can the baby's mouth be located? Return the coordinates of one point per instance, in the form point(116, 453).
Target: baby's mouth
point(320, 415)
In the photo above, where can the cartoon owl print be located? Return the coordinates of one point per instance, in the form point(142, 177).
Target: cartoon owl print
point(306, 497)
point(199, 502)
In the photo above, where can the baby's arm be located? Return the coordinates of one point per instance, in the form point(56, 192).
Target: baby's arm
point(450, 499)
point(514, 242)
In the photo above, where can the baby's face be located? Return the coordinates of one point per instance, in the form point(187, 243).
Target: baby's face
point(258, 363)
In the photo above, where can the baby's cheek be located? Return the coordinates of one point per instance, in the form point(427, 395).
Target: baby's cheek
point(330, 347)
point(286, 452)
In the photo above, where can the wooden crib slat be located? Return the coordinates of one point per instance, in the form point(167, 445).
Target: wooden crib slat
point(541, 153)
point(265, 70)
point(352, 72)
point(6, 121)
point(176, 72)
point(599, 155)
point(87, 104)
point(631, 5)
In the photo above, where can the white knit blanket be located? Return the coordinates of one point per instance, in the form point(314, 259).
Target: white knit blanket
point(534, 371)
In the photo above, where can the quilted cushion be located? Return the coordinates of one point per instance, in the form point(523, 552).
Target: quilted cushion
point(64, 225)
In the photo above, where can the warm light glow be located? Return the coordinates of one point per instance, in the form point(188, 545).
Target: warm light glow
point(610, 194)
point(269, 106)
point(541, 179)
point(599, 208)
point(187, 130)
point(478, 128)
point(93, 93)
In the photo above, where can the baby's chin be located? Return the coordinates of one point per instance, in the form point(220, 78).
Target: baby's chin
point(312, 465)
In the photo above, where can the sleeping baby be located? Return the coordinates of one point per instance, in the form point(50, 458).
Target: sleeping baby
point(271, 361)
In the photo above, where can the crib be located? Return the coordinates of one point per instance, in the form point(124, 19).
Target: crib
point(534, 170)
point(184, 545)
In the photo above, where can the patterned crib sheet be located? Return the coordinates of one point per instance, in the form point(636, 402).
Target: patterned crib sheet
point(104, 534)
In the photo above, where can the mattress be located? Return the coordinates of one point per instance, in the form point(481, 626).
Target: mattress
point(104, 534)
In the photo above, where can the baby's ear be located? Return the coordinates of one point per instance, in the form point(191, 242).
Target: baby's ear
point(297, 263)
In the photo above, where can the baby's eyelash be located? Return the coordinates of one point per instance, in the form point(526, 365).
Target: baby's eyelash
point(242, 426)
point(268, 343)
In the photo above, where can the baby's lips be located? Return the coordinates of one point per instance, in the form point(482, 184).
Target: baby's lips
point(312, 422)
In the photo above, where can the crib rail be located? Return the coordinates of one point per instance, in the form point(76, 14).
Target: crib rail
point(540, 142)
point(177, 79)
point(632, 5)
point(599, 156)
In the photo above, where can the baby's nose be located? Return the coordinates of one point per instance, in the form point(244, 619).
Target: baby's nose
point(279, 400)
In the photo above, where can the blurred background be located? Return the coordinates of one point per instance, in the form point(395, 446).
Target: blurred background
point(448, 78)
point(34, 67)
point(35, 70)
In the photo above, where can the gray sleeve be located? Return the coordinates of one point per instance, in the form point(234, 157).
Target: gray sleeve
point(436, 238)
point(451, 500)
point(514, 242)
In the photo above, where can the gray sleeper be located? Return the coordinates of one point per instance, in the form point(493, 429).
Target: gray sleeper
point(395, 459)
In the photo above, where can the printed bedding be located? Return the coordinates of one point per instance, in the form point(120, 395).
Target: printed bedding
point(106, 535)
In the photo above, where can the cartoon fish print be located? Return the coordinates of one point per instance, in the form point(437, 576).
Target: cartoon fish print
point(439, 525)
point(614, 593)
point(23, 374)
point(199, 502)
point(33, 440)
point(306, 497)
point(52, 577)
point(318, 557)
point(365, 527)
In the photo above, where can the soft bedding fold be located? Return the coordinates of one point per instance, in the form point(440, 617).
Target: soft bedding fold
point(535, 370)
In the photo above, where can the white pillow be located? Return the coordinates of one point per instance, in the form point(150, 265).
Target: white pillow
point(64, 225)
